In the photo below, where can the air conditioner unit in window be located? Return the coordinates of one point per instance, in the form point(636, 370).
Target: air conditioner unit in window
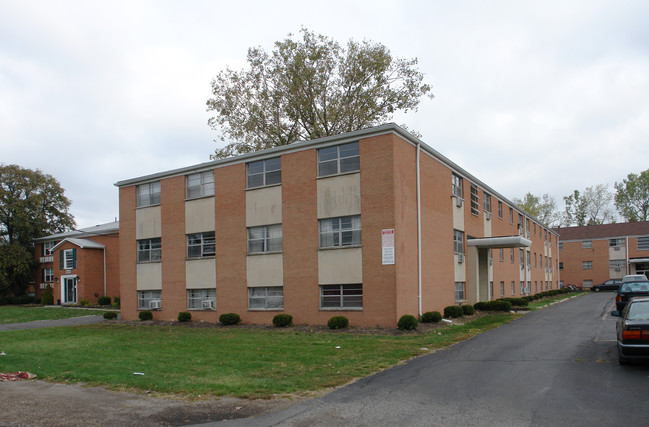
point(460, 258)
point(209, 304)
point(487, 215)
point(522, 266)
point(618, 269)
point(491, 262)
point(617, 248)
point(459, 202)
point(520, 230)
point(155, 304)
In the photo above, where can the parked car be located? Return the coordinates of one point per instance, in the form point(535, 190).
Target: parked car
point(635, 278)
point(629, 290)
point(633, 331)
point(609, 285)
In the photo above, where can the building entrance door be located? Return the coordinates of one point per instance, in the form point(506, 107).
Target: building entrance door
point(69, 290)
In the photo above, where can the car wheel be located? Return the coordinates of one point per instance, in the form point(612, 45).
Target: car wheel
point(596, 289)
point(621, 359)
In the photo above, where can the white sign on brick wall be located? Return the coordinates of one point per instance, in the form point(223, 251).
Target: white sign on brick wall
point(387, 244)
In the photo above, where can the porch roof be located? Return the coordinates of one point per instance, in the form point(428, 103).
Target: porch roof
point(82, 243)
point(500, 242)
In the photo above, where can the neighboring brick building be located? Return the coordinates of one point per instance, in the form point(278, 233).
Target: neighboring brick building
point(371, 225)
point(79, 264)
point(593, 254)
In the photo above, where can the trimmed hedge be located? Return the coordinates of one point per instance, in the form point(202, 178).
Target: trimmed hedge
point(407, 322)
point(110, 315)
point(227, 319)
point(338, 322)
point(516, 302)
point(184, 316)
point(48, 296)
point(453, 311)
point(495, 305)
point(468, 310)
point(103, 300)
point(116, 302)
point(145, 315)
point(282, 320)
point(431, 317)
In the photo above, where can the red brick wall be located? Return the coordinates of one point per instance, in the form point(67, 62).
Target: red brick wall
point(127, 253)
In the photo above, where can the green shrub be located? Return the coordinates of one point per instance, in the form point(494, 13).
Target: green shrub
point(116, 302)
point(516, 302)
point(227, 319)
point(20, 300)
point(145, 315)
point(480, 306)
point(282, 320)
point(338, 322)
point(48, 296)
point(468, 310)
point(110, 315)
point(84, 302)
point(407, 322)
point(103, 300)
point(184, 316)
point(453, 311)
point(431, 317)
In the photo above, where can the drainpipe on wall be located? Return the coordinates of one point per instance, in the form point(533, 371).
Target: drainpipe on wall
point(104, 271)
point(626, 241)
point(419, 228)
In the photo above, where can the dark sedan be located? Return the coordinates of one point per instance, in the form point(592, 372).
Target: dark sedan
point(629, 290)
point(633, 331)
point(609, 285)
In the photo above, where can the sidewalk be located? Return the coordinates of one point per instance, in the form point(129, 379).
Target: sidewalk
point(73, 321)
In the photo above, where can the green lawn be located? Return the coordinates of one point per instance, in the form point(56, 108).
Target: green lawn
point(538, 304)
point(19, 314)
point(234, 361)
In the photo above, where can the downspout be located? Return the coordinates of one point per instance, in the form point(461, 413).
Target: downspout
point(104, 270)
point(419, 227)
point(626, 252)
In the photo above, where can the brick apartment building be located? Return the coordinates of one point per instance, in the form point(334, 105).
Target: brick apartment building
point(593, 254)
point(371, 225)
point(79, 264)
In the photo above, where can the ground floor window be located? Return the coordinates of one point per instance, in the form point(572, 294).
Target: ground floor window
point(460, 291)
point(266, 298)
point(201, 299)
point(48, 275)
point(502, 289)
point(588, 284)
point(341, 296)
point(149, 300)
point(513, 288)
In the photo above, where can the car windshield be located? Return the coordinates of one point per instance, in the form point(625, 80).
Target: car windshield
point(635, 287)
point(638, 311)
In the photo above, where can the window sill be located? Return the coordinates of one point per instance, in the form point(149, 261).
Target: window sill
point(150, 262)
point(199, 258)
point(207, 196)
point(265, 253)
point(147, 206)
point(338, 174)
point(340, 247)
point(263, 186)
point(202, 309)
point(341, 309)
point(266, 309)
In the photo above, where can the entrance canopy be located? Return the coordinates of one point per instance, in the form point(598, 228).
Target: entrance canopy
point(638, 260)
point(500, 242)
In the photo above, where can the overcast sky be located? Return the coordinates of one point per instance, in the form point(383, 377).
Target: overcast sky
point(545, 97)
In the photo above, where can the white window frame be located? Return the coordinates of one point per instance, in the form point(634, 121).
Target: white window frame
point(201, 245)
point(148, 194)
point(263, 173)
point(151, 247)
point(458, 241)
point(195, 298)
point(265, 239)
point(486, 202)
point(48, 275)
point(502, 288)
point(200, 184)
point(460, 291)
point(266, 298)
point(643, 243)
point(336, 232)
point(586, 244)
point(457, 185)
point(348, 297)
point(145, 297)
point(475, 200)
point(587, 265)
point(47, 248)
point(69, 259)
point(346, 158)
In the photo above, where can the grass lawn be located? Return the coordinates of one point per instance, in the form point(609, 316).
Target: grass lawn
point(19, 314)
point(538, 304)
point(236, 361)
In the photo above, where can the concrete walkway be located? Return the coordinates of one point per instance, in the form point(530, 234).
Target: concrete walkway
point(73, 321)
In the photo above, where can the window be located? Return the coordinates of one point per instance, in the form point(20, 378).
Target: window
point(587, 265)
point(460, 294)
point(643, 243)
point(534, 232)
point(266, 298)
point(48, 275)
point(616, 243)
point(588, 284)
point(458, 241)
point(502, 254)
point(149, 250)
point(47, 248)
point(617, 264)
point(522, 288)
point(264, 172)
point(513, 288)
point(148, 194)
point(586, 244)
point(341, 296)
point(338, 159)
point(200, 184)
point(475, 200)
point(511, 255)
point(535, 259)
point(561, 266)
point(457, 185)
point(502, 288)
point(149, 300)
point(487, 202)
point(520, 223)
point(527, 259)
point(521, 259)
point(340, 231)
point(264, 239)
point(511, 215)
point(201, 299)
point(500, 209)
point(200, 245)
point(68, 259)
point(560, 246)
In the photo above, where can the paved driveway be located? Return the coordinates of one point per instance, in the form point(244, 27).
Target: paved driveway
point(84, 320)
point(556, 366)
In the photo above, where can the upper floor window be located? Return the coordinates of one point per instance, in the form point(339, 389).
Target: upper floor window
point(587, 265)
point(200, 245)
point(475, 200)
point(456, 185)
point(616, 243)
point(340, 231)
point(338, 159)
point(500, 209)
point(487, 202)
point(68, 259)
point(148, 194)
point(47, 248)
point(149, 250)
point(267, 238)
point(458, 241)
point(48, 275)
point(643, 243)
point(511, 215)
point(560, 246)
point(200, 184)
point(264, 172)
point(586, 244)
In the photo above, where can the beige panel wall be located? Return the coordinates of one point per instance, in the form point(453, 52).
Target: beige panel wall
point(458, 215)
point(199, 215)
point(339, 266)
point(200, 273)
point(339, 196)
point(460, 269)
point(265, 270)
point(148, 223)
point(487, 226)
point(620, 253)
point(149, 276)
point(264, 206)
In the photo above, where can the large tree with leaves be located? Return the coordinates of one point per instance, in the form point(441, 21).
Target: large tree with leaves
point(632, 197)
point(544, 208)
point(310, 88)
point(592, 207)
